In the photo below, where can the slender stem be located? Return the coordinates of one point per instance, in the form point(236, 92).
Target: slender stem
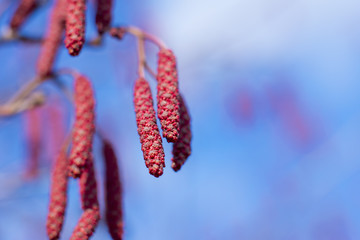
point(13, 37)
point(63, 88)
point(144, 35)
point(27, 89)
point(150, 71)
point(142, 57)
point(36, 99)
point(68, 71)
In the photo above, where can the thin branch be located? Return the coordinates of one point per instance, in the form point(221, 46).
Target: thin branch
point(26, 89)
point(142, 57)
point(150, 71)
point(144, 35)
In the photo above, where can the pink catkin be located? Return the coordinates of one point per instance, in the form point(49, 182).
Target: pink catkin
point(56, 115)
point(33, 136)
point(167, 95)
point(182, 148)
point(84, 126)
point(114, 214)
point(25, 8)
point(89, 202)
point(58, 196)
point(52, 39)
point(151, 143)
point(75, 26)
point(103, 15)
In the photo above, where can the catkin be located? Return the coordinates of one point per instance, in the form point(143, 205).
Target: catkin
point(103, 15)
point(23, 11)
point(89, 202)
point(113, 193)
point(151, 143)
point(52, 40)
point(84, 127)
point(167, 95)
point(58, 196)
point(75, 26)
point(182, 148)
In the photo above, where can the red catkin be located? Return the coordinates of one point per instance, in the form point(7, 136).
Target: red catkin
point(151, 143)
point(182, 148)
point(84, 127)
point(113, 191)
point(52, 39)
point(56, 115)
point(167, 95)
point(25, 8)
point(103, 15)
point(89, 202)
point(58, 196)
point(75, 26)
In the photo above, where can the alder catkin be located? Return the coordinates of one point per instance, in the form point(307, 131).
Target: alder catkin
point(84, 126)
point(89, 203)
point(58, 196)
point(33, 139)
point(167, 95)
point(113, 193)
point(151, 143)
point(22, 12)
point(75, 26)
point(103, 15)
point(182, 148)
point(52, 40)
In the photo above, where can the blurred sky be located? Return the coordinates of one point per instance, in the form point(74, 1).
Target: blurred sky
point(273, 91)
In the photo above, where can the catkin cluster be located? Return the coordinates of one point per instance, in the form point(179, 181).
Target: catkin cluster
point(172, 113)
point(76, 156)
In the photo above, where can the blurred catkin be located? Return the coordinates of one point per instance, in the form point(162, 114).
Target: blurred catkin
point(182, 148)
point(113, 193)
point(84, 127)
point(52, 40)
point(151, 143)
point(33, 137)
point(89, 203)
point(103, 15)
point(23, 11)
point(58, 195)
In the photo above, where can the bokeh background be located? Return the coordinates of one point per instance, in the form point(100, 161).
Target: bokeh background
point(273, 90)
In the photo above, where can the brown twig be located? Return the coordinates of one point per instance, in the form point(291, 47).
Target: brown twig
point(144, 35)
point(26, 89)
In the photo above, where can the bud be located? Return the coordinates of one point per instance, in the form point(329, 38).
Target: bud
point(150, 138)
point(167, 95)
point(84, 127)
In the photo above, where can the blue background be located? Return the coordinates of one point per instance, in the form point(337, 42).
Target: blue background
point(273, 91)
